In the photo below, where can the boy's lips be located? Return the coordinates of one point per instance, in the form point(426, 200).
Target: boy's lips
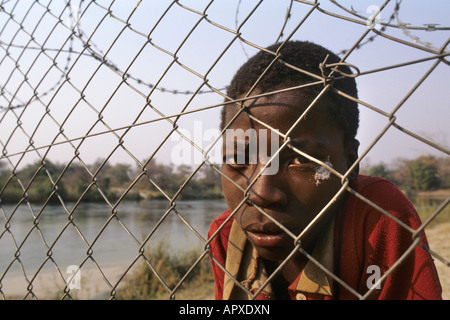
point(268, 235)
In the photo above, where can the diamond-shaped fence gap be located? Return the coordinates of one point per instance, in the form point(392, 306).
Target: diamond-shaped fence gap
point(61, 48)
point(169, 271)
point(145, 70)
point(9, 32)
point(14, 19)
point(77, 77)
point(7, 64)
point(193, 223)
point(8, 240)
point(97, 43)
point(18, 57)
point(6, 9)
point(14, 283)
point(38, 180)
point(208, 100)
point(124, 49)
point(75, 180)
point(46, 31)
point(91, 20)
point(197, 281)
point(147, 185)
point(101, 142)
point(119, 230)
point(103, 80)
point(27, 16)
point(87, 220)
point(32, 247)
point(45, 82)
point(93, 186)
point(19, 140)
point(8, 120)
point(252, 14)
point(42, 128)
point(224, 69)
point(67, 109)
point(68, 245)
point(147, 15)
point(167, 266)
point(203, 106)
point(372, 125)
point(188, 179)
point(15, 79)
point(174, 104)
point(425, 104)
point(197, 135)
point(116, 176)
point(42, 74)
point(171, 31)
point(157, 182)
point(209, 47)
point(159, 148)
point(40, 286)
point(118, 109)
point(24, 93)
point(142, 279)
point(93, 282)
point(58, 9)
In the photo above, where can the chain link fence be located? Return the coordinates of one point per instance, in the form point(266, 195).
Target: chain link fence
point(109, 130)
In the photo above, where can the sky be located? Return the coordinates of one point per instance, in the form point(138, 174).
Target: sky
point(109, 98)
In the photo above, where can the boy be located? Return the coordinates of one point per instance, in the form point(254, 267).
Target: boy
point(300, 220)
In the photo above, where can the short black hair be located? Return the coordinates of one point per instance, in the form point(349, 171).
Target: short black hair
point(306, 56)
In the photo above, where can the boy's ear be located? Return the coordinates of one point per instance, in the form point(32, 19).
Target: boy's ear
point(352, 156)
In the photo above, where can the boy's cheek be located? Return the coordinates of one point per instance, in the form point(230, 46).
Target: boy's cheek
point(233, 194)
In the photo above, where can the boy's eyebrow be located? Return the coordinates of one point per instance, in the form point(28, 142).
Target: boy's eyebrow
point(310, 143)
point(297, 143)
point(237, 144)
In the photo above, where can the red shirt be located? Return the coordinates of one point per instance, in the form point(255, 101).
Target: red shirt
point(363, 241)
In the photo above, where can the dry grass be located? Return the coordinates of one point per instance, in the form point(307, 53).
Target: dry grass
point(439, 241)
point(170, 266)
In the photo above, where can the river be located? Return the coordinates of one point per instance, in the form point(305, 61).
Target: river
point(115, 241)
point(66, 239)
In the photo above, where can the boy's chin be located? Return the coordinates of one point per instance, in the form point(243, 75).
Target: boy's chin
point(274, 254)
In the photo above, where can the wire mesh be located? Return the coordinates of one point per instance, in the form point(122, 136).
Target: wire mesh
point(96, 97)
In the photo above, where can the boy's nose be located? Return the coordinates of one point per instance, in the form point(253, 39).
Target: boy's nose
point(268, 191)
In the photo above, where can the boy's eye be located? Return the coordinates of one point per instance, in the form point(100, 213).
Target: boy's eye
point(300, 160)
point(236, 160)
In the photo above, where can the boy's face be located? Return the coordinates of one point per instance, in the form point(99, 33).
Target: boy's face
point(299, 189)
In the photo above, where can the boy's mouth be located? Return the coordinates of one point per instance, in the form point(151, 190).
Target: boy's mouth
point(267, 235)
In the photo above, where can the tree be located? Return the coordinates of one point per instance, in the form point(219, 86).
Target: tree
point(423, 172)
point(118, 175)
point(380, 170)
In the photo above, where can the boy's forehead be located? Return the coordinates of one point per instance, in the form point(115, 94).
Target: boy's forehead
point(279, 111)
